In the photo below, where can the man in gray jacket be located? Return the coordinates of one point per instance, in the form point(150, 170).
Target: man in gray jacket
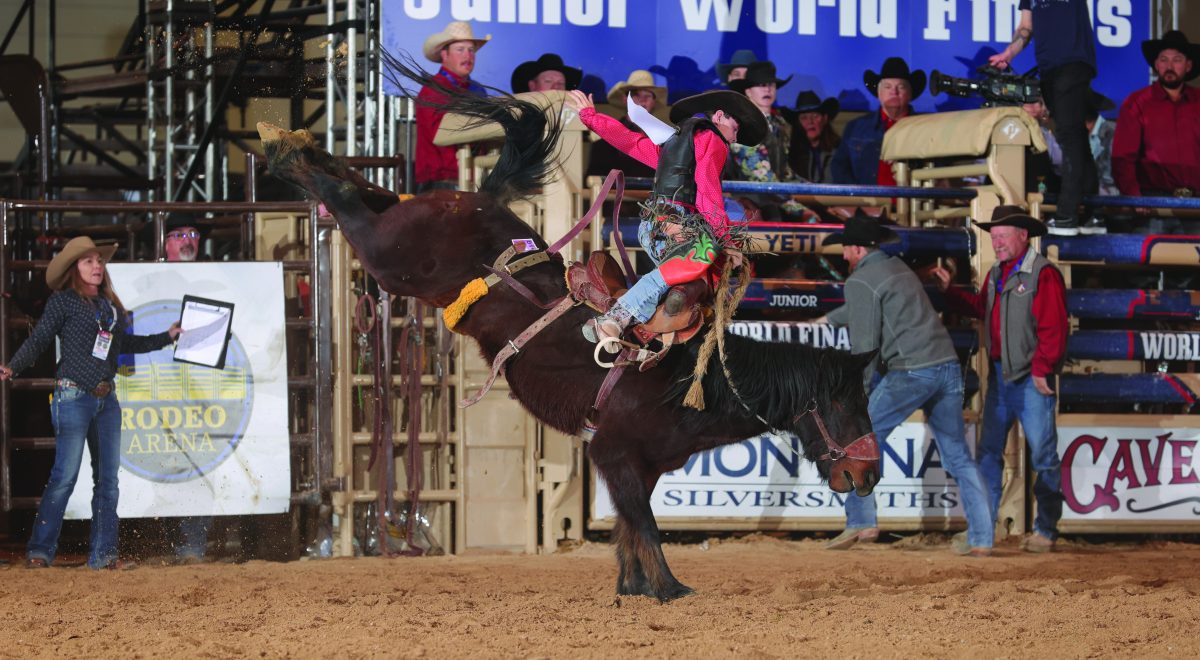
point(887, 310)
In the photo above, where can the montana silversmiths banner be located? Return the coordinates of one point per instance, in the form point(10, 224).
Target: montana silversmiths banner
point(826, 44)
point(767, 477)
point(197, 440)
point(1122, 473)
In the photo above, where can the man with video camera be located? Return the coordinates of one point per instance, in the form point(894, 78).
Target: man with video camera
point(1066, 58)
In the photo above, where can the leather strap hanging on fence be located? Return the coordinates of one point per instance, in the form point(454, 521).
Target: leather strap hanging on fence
point(412, 366)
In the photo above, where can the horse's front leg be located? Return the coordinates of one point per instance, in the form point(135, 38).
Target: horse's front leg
point(643, 568)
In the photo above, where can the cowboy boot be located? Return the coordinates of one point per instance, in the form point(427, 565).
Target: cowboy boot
point(610, 324)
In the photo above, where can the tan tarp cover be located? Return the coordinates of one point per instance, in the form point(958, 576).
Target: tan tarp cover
point(948, 134)
point(454, 127)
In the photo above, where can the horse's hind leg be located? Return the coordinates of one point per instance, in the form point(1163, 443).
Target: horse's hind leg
point(643, 568)
point(631, 579)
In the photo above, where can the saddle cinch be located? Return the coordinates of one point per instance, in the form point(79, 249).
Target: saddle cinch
point(679, 317)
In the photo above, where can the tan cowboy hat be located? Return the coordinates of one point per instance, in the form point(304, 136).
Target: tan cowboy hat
point(455, 31)
point(638, 79)
point(60, 266)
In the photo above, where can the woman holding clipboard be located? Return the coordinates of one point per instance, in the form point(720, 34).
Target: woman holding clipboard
point(87, 317)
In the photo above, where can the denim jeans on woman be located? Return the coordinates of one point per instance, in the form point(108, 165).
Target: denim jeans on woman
point(938, 390)
point(80, 418)
point(1020, 400)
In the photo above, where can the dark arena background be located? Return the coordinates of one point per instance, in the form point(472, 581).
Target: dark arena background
point(306, 484)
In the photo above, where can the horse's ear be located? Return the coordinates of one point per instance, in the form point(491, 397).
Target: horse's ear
point(864, 359)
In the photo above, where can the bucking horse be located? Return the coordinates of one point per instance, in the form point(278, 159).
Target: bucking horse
point(434, 246)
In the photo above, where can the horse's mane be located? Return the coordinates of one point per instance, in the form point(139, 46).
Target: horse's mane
point(530, 136)
point(776, 380)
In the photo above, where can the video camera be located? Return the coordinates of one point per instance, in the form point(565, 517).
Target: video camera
point(997, 87)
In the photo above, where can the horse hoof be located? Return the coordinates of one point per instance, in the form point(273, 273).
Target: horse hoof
point(677, 591)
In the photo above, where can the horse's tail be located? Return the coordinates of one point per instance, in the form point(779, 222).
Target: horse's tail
point(530, 136)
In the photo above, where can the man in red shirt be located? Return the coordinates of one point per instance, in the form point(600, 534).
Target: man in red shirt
point(1023, 305)
point(1156, 147)
point(454, 49)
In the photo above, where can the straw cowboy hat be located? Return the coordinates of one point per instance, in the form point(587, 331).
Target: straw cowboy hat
point(455, 31)
point(638, 79)
point(1178, 41)
point(527, 71)
point(752, 126)
point(60, 266)
point(1014, 216)
point(895, 67)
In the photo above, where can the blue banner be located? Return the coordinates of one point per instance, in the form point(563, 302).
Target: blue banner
point(825, 44)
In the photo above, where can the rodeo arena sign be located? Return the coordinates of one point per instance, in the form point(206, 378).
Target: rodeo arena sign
point(199, 440)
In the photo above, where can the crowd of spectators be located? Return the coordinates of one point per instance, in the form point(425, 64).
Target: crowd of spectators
point(1151, 148)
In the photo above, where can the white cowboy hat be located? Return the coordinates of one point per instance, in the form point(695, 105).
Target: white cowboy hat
point(76, 248)
point(638, 79)
point(455, 31)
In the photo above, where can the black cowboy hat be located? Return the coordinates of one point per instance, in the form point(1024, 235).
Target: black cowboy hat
point(864, 231)
point(1177, 41)
point(1014, 216)
point(740, 58)
point(1098, 102)
point(895, 67)
point(808, 101)
point(752, 125)
point(758, 73)
point(527, 71)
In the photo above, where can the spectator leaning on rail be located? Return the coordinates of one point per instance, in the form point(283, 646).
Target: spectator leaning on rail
point(1066, 58)
point(813, 139)
point(887, 311)
point(454, 49)
point(1023, 294)
point(545, 74)
point(857, 157)
point(1156, 148)
point(766, 162)
point(87, 318)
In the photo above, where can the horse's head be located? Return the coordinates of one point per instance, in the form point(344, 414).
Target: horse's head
point(836, 428)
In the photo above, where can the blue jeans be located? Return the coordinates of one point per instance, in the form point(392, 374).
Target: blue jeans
point(938, 390)
point(642, 298)
point(79, 417)
point(1004, 403)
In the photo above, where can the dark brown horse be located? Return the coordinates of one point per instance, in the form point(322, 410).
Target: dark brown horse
point(431, 246)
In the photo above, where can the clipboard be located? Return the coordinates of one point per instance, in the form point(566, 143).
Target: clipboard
point(207, 327)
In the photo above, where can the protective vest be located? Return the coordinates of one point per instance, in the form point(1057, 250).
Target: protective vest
point(1018, 327)
point(675, 177)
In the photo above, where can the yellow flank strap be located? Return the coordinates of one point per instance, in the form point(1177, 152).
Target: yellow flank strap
point(474, 290)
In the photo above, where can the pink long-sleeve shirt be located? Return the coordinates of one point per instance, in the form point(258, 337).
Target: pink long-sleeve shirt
point(711, 153)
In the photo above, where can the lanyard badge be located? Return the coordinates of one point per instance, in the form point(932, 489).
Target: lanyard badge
point(104, 336)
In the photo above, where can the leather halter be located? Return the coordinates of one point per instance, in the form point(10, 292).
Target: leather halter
point(857, 450)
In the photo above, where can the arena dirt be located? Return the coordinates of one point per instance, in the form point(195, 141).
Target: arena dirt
point(757, 597)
